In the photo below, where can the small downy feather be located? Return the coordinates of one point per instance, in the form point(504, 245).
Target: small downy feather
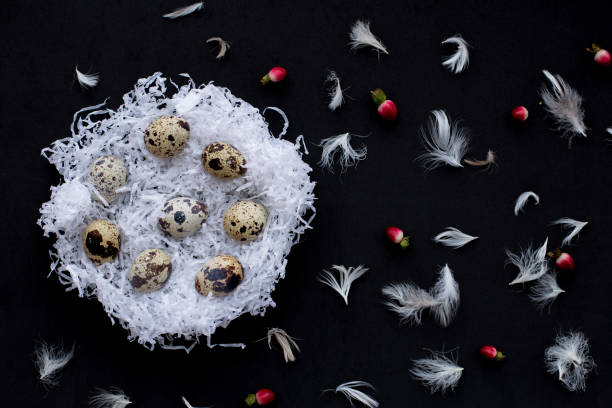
point(362, 37)
point(445, 143)
point(459, 60)
point(569, 358)
point(453, 238)
point(342, 285)
point(335, 91)
point(609, 130)
point(487, 163)
point(183, 11)
point(438, 372)
point(49, 361)
point(350, 391)
point(446, 294)
point(115, 398)
point(286, 342)
point(545, 291)
point(531, 263)
point(522, 200)
point(86, 80)
point(342, 144)
point(224, 46)
point(575, 225)
point(564, 103)
point(188, 405)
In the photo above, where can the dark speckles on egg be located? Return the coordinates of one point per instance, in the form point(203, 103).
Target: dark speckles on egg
point(179, 218)
point(244, 220)
point(223, 160)
point(107, 174)
point(150, 270)
point(101, 241)
point(219, 275)
point(166, 136)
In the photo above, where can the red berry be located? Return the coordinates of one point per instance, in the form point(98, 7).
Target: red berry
point(276, 74)
point(565, 262)
point(602, 57)
point(520, 113)
point(262, 397)
point(395, 234)
point(491, 353)
point(387, 110)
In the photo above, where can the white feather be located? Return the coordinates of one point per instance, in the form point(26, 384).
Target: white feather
point(522, 200)
point(445, 143)
point(350, 391)
point(335, 92)
point(224, 46)
point(362, 37)
point(188, 405)
point(446, 294)
point(569, 358)
point(86, 80)
point(408, 301)
point(609, 130)
point(183, 11)
point(454, 238)
point(459, 60)
point(49, 361)
point(438, 373)
point(564, 103)
point(286, 342)
point(545, 290)
point(531, 263)
point(576, 226)
point(115, 398)
point(340, 144)
point(342, 285)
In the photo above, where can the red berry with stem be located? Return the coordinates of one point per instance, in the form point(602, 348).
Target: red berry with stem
point(396, 236)
point(491, 353)
point(563, 260)
point(520, 113)
point(386, 108)
point(602, 57)
point(276, 74)
point(261, 397)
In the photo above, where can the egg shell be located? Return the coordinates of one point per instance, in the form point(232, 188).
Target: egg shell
point(183, 216)
point(219, 275)
point(101, 241)
point(245, 220)
point(166, 136)
point(150, 270)
point(223, 160)
point(107, 174)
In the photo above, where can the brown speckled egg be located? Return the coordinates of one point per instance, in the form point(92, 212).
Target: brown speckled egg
point(166, 136)
point(223, 160)
point(107, 174)
point(183, 216)
point(245, 220)
point(150, 270)
point(219, 275)
point(101, 241)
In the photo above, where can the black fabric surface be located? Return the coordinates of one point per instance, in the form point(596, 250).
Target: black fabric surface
point(511, 43)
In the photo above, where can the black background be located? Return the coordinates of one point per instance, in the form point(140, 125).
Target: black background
point(511, 43)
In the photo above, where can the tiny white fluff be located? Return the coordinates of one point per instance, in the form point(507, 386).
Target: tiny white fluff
point(224, 46)
point(286, 342)
point(569, 358)
point(343, 283)
point(335, 91)
point(522, 200)
point(576, 226)
point(531, 263)
point(341, 143)
point(188, 405)
point(350, 391)
point(361, 37)
point(49, 361)
point(545, 291)
point(114, 398)
point(453, 238)
point(86, 80)
point(459, 60)
point(183, 11)
point(445, 143)
point(609, 130)
point(438, 372)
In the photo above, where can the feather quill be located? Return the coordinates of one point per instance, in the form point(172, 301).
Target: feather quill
point(576, 226)
point(349, 156)
point(444, 142)
point(569, 358)
point(86, 80)
point(362, 37)
point(286, 342)
point(564, 103)
point(188, 405)
point(350, 391)
point(183, 11)
point(460, 59)
point(545, 291)
point(522, 200)
point(438, 372)
point(488, 163)
point(50, 361)
point(531, 263)
point(115, 398)
point(454, 238)
point(342, 285)
point(224, 46)
point(446, 294)
point(335, 91)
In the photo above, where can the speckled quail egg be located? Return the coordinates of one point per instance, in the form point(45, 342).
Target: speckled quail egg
point(150, 270)
point(245, 220)
point(166, 136)
point(183, 216)
point(223, 160)
point(219, 275)
point(107, 174)
point(101, 241)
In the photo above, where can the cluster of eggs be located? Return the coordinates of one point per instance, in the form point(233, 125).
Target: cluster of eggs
point(243, 221)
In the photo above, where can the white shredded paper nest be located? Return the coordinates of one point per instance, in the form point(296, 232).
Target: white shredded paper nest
point(175, 316)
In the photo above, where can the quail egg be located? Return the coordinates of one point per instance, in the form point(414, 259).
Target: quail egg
point(245, 220)
point(219, 275)
point(223, 160)
point(101, 241)
point(183, 216)
point(107, 174)
point(150, 270)
point(166, 136)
